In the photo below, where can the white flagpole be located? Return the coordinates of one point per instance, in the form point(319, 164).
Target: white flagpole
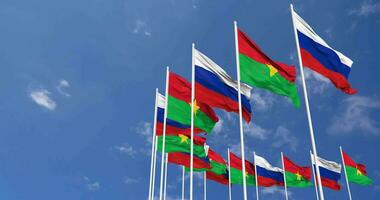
point(154, 166)
point(153, 144)
point(164, 133)
point(240, 112)
point(256, 179)
point(204, 186)
point(283, 168)
point(166, 174)
point(345, 173)
point(229, 175)
point(192, 121)
point(314, 148)
point(183, 182)
point(315, 178)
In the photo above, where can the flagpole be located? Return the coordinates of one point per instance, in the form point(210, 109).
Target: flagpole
point(192, 121)
point(229, 175)
point(345, 173)
point(164, 133)
point(256, 179)
point(154, 166)
point(166, 174)
point(240, 112)
point(204, 186)
point(283, 168)
point(153, 144)
point(314, 148)
point(315, 178)
point(183, 182)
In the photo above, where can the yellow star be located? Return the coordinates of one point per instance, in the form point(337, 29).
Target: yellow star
point(246, 174)
point(272, 70)
point(184, 139)
point(358, 172)
point(298, 176)
point(196, 107)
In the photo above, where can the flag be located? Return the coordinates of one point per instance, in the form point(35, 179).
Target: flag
point(219, 178)
point(317, 55)
point(218, 164)
point(172, 127)
point(267, 175)
point(216, 88)
point(182, 143)
point(296, 176)
point(356, 172)
point(183, 159)
point(236, 171)
point(329, 171)
point(257, 69)
point(179, 105)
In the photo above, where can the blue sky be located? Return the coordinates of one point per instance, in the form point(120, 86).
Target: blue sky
point(77, 88)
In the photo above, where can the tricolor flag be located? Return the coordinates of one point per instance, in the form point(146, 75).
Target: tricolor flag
point(182, 143)
point(218, 164)
point(356, 172)
point(172, 127)
point(217, 89)
point(236, 171)
point(330, 172)
point(258, 70)
point(199, 163)
point(296, 176)
point(317, 55)
point(179, 105)
point(267, 175)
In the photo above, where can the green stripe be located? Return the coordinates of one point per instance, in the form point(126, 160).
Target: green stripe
point(217, 168)
point(236, 177)
point(173, 144)
point(291, 181)
point(187, 169)
point(179, 111)
point(258, 75)
point(354, 177)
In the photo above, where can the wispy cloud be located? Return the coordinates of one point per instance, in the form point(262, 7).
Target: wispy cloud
point(91, 185)
point(61, 86)
point(146, 130)
point(130, 180)
point(275, 190)
point(126, 149)
point(283, 137)
point(365, 9)
point(262, 100)
point(42, 98)
point(356, 115)
point(140, 27)
point(256, 131)
point(316, 83)
point(218, 126)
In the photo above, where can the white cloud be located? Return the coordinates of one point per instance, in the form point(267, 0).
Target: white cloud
point(146, 130)
point(315, 82)
point(126, 149)
point(262, 100)
point(91, 185)
point(256, 131)
point(218, 126)
point(356, 115)
point(365, 9)
point(41, 97)
point(141, 27)
point(60, 87)
point(283, 137)
point(274, 190)
point(130, 180)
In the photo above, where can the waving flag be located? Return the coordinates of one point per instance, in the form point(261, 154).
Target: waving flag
point(172, 127)
point(219, 178)
point(267, 175)
point(236, 171)
point(199, 163)
point(317, 55)
point(356, 172)
point(257, 69)
point(296, 176)
point(217, 89)
point(179, 105)
point(181, 143)
point(329, 171)
point(218, 164)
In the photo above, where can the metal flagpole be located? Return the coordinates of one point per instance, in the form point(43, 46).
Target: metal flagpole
point(166, 174)
point(345, 173)
point(315, 178)
point(183, 182)
point(192, 121)
point(283, 168)
point(256, 179)
point(240, 111)
point(204, 186)
point(314, 148)
point(154, 166)
point(229, 175)
point(164, 133)
point(153, 144)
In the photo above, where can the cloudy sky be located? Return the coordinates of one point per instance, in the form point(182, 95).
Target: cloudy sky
point(78, 78)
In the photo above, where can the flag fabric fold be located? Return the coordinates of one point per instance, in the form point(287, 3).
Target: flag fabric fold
point(219, 178)
point(267, 175)
point(236, 171)
point(183, 159)
point(330, 172)
point(356, 172)
point(218, 164)
point(296, 176)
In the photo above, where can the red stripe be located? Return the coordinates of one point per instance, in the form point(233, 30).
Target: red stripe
point(268, 182)
point(215, 99)
point(330, 184)
point(291, 167)
point(184, 160)
point(171, 130)
point(212, 155)
point(252, 50)
point(236, 163)
point(337, 79)
point(217, 178)
point(350, 162)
